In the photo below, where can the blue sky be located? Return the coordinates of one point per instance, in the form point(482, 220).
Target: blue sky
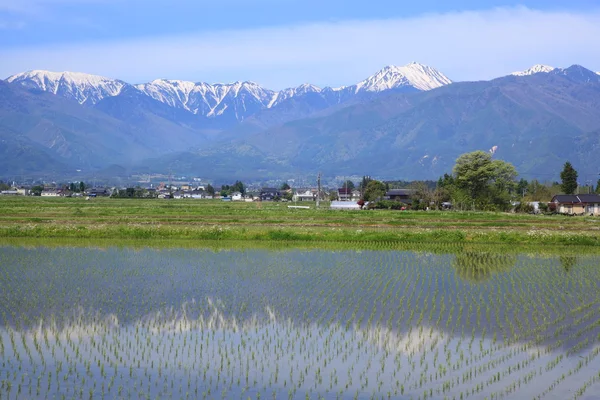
point(282, 43)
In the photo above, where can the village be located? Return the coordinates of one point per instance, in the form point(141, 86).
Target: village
point(343, 198)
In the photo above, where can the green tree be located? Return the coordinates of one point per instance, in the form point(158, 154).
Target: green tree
point(598, 186)
point(4, 186)
point(485, 182)
point(210, 190)
point(537, 191)
point(285, 186)
point(37, 190)
point(568, 178)
point(422, 196)
point(348, 184)
point(82, 187)
point(473, 172)
point(238, 186)
point(225, 190)
point(446, 181)
point(374, 190)
point(522, 187)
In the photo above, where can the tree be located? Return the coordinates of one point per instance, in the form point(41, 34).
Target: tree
point(37, 190)
point(374, 190)
point(598, 186)
point(568, 178)
point(210, 190)
point(238, 186)
point(538, 192)
point(285, 186)
point(446, 181)
point(485, 182)
point(422, 196)
point(522, 187)
point(225, 190)
point(81, 187)
point(363, 184)
point(473, 171)
point(348, 184)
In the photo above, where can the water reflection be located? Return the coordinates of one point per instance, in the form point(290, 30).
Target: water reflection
point(568, 262)
point(191, 323)
point(477, 266)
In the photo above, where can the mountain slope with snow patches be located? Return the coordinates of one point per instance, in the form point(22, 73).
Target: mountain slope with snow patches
point(536, 69)
point(84, 88)
point(234, 101)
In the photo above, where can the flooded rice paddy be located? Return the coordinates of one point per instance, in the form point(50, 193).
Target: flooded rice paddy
point(180, 323)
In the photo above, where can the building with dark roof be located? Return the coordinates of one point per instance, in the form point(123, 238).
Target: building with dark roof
point(402, 195)
point(270, 194)
point(577, 204)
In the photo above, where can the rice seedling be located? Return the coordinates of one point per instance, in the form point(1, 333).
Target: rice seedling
point(79, 322)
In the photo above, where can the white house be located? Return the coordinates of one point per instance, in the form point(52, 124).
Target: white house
point(305, 195)
point(237, 196)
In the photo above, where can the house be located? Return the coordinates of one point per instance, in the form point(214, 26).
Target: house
point(9, 193)
point(269, 194)
point(305, 195)
point(344, 194)
point(23, 191)
point(402, 195)
point(237, 196)
point(97, 192)
point(196, 194)
point(344, 205)
point(51, 193)
point(577, 204)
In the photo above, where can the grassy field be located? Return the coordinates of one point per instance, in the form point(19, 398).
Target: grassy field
point(206, 220)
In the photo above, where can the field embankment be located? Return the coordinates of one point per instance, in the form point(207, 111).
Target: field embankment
point(201, 220)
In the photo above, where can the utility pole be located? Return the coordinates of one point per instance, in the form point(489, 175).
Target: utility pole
point(318, 189)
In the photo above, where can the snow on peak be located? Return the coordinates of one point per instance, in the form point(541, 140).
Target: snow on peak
point(417, 75)
point(240, 99)
point(536, 69)
point(75, 85)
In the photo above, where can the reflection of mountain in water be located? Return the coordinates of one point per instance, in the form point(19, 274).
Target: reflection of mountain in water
point(398, 290)
point(477, 266)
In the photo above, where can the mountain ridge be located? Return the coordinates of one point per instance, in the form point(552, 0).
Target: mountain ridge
point(233, 101)
point(537, 122)
point(534, 120)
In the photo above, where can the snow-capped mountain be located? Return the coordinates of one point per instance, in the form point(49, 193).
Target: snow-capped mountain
point(239, 98)
point(246, 97)
point(84, 88)
point(536, 69)
point(236, 101)
point(415, 75)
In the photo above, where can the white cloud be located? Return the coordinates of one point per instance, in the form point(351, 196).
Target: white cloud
point(464, 45)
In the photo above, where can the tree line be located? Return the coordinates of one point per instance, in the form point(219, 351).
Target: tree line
point(477, 182)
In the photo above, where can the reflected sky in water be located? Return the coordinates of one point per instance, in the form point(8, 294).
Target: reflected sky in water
point(333, 324)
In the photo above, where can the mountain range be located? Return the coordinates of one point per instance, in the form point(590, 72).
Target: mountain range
point(402, 122)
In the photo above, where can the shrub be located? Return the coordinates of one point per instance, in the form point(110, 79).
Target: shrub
point(524, 208)
point(387, 205)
